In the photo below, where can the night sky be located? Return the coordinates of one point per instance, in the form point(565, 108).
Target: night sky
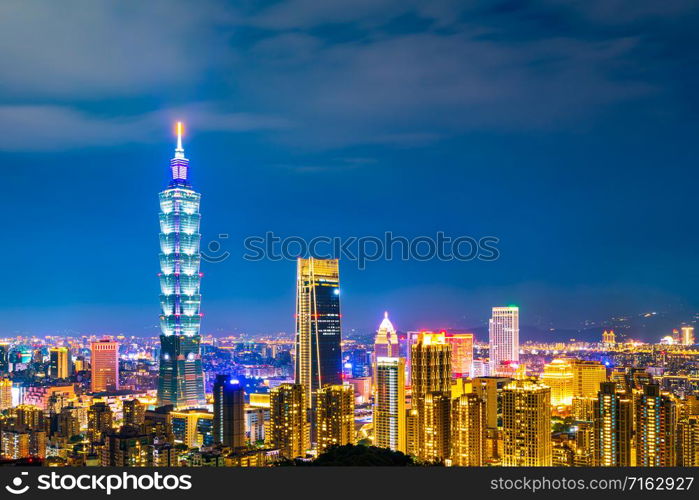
point(569, 130)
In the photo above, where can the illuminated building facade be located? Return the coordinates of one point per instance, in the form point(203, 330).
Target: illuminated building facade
point(100, 420)
point(105, 365)
point(181, 379)
point(613, 414)
point(526, 429)
point(5, 394)
point(134, 413)
point(59, 361)
point(289, 426)
point(656, 421)
point(318, 334)
point(503, 332)
point(587, 377)
point(608, 338)
point(389, 404)
point(431, 394)
point(461, 354)
point(688, 442)
point(468, 431)
point(229, 412)
point(386, 340)
point(192, 427)
point(558, 375)
point(687, 336)
point(334, 416)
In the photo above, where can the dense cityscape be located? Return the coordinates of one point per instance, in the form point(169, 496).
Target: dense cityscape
point(399, 398)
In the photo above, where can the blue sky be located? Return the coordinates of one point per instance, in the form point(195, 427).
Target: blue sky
point(566, 129)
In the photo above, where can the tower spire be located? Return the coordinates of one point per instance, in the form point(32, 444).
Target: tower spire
point(179, 150)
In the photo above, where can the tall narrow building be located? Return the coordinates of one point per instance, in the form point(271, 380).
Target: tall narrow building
point(431, 395)
point(526, 416)
point(461, 354)
point(503, 331)
point(181, 379)
point(318, 336)
point(656, 422)
point(389, 404)
point(386, 340)
point(229, 412)
point(334, 416)
point(468, 431)
point(558, 375)
point(613, 427)
point(104, 365)
point(59, 362)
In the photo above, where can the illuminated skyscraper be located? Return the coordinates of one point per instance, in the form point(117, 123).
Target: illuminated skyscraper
point(229, 412)
point(318, 352)
point(105, 365)
point(468, 431)
point(431, 395)
point(503, 337)
point(59, 360)
point(687, 335)
point(389, 404)
point(181, 380)
point(558, 375)
point(289, 427)
point(334, 416)
point(5, 394)
point(526, 415)
point(656, 421)
point(461, 354)
point(386, 341)
point(613, 421)
point(587, 377)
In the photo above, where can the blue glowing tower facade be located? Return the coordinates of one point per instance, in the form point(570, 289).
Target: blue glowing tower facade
point(181, 378)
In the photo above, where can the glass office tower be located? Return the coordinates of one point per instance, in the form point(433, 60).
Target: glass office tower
point(181, 380)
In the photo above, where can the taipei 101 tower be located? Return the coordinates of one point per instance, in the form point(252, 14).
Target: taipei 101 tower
point(181, 379)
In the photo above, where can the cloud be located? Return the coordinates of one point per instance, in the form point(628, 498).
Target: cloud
point(84, 49)
point(52, 128)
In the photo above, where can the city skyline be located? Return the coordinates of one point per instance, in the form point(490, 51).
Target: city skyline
point(579, 158)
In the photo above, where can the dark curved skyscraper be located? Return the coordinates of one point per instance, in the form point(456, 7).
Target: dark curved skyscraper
point(181, 380)
point(318, 337)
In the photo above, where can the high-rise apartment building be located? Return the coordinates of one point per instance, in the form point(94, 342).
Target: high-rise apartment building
point(526, 415)
point(59, 362)
point(100, 421)
point(558, 375)
point(461, 354)
point(105, 365)
point(656, 422)
point(134, 413)
point(318, 333)
point(503, 330)
point(613, 421)
point(688, 441)
point(289, 426)
point(334, 416)
point(181, 378)
point(389, 404)
point(468, 431)
point(193, 427)
point(431, 395)
point(229, 412)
